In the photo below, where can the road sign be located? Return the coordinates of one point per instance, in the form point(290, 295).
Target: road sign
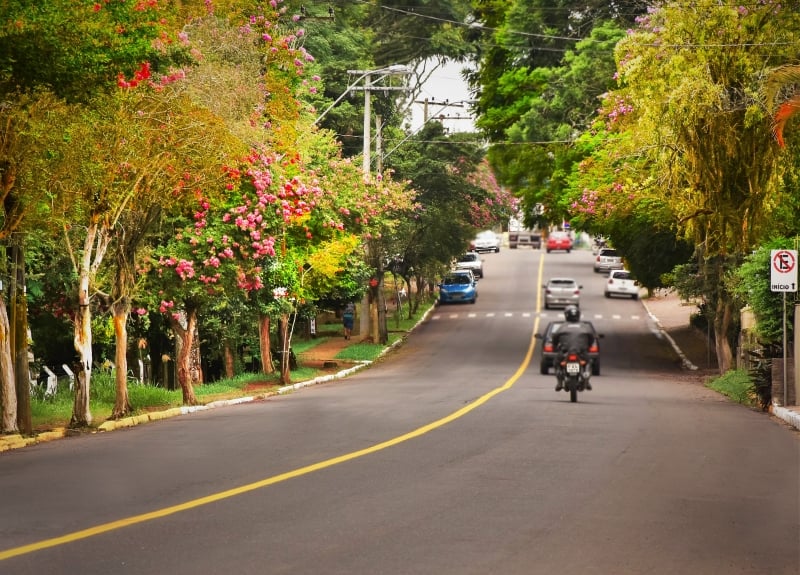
point(783, 266)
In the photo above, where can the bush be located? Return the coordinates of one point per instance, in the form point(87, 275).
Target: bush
point(737, 385)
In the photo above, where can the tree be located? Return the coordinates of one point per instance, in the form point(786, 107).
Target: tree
point(171, 148)
point(29, 136)
point(457, 195)
point(691, 103)
point(84, 48)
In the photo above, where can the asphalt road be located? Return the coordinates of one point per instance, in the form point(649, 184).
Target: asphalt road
point(451, 456)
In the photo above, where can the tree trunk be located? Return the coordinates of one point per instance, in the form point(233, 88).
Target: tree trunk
point(283, 342)
point(264, 344)
point(8, 395)
point(383, 328)
point(122, 404)
point(228, 359)
point(81, 414)
point(19, 327)
point(722, 323)
point(95, 245)
point(183, 361)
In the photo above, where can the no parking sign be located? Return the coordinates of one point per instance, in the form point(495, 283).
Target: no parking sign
point(783, 266)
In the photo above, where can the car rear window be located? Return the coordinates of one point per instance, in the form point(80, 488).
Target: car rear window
point(609, 253)
point(456, 280)
point(622, 276)
point(467, 258)
point(562, 283)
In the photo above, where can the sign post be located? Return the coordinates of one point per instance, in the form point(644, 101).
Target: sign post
point(783, 278)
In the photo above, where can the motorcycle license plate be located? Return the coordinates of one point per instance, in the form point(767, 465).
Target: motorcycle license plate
point(573, 368)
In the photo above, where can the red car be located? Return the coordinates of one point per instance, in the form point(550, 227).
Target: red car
point(559, 241)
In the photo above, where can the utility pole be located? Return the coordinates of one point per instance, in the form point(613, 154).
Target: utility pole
point(370, 86)
point(370, 313)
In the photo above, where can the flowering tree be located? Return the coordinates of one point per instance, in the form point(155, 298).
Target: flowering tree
point(227, 243)
point(696, 137)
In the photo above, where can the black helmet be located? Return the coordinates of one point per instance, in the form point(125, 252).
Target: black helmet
point(572, 314)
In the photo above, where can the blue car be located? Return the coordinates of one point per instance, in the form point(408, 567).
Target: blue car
point(457, 287)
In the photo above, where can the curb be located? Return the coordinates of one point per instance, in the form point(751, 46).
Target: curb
point(787, 415)
point(685, 362)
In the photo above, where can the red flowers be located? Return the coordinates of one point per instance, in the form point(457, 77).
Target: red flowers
point(140, 75)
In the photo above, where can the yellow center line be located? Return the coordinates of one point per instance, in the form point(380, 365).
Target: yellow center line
point(219, 496)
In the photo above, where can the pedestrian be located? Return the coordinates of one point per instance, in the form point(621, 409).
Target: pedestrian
point(348, 318)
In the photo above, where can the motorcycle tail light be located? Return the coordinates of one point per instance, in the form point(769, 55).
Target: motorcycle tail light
point(572, 357)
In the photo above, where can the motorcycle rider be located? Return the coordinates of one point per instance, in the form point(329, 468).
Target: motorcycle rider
point(574, 334)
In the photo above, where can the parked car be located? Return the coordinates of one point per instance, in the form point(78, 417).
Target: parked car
point(559, 241)
point(470, 261)
point(607, 259)
point(549, 353)
point(487, 241)
point(457, 287)
point(561, 292)
point(621, 282)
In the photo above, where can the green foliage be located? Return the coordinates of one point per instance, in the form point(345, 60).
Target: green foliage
point(751, 283)
point(761, 372)
point(550, 107)
point(735, 384)
point(78, 48)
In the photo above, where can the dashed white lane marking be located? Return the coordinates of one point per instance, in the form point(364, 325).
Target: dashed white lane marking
point(527, 314)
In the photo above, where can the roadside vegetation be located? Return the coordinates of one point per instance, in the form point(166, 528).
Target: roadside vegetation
point(55, 411)
point(737, 385)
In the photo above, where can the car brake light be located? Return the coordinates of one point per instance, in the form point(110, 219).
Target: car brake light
point(548, 347)
point(593, 348)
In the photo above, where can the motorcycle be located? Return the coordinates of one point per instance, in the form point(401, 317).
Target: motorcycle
point(575, 371)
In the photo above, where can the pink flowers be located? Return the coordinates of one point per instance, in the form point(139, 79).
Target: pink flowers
point(185, 269)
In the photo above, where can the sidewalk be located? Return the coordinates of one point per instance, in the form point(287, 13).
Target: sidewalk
point(673, 316)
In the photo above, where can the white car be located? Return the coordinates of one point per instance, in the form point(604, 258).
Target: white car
point(621, 282)
point(470, 261)
point(487, 241)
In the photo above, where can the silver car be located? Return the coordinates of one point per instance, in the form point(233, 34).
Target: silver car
point(607, 259)
point(561, 292)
